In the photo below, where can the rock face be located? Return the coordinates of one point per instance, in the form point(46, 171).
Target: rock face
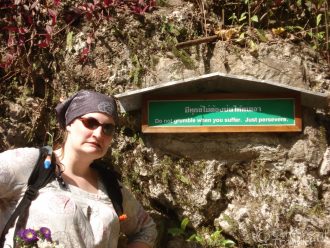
point(261, 189)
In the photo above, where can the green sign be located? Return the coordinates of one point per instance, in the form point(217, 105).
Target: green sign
point(256, 112)
point(260, 112)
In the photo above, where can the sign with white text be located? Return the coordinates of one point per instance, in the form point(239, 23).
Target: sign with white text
point(222, 113)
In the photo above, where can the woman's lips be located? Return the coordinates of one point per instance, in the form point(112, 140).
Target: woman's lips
point(95, 144)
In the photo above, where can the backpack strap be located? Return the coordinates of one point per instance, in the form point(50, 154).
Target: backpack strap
point(110, 180)
point(40, 176)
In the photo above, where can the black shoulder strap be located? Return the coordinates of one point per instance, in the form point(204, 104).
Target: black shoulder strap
point(110, 180)
point(40, 176)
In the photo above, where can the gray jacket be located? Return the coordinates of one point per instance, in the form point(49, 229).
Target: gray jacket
point(75, 217)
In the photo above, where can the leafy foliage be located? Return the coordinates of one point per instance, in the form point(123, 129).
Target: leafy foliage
point(177, 231)
point(304, 20)
point(205, 238)
point(33, 31)
point(37, 31)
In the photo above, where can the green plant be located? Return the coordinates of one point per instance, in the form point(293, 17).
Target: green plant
point(183, 179)
point(205, 237)
point(167, 164)
point(232, 222)
point(245, 15)
point(302, 20)
point(137, 71)
point(179, 231)
point(170, 32)
point(215, 239)
point(318, 210)
point(315, 34)
point(161, 3)
point(184, 57)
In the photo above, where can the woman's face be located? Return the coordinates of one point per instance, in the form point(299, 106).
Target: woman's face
point(90, 134)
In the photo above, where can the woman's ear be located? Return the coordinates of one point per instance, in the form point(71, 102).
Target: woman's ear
point(68, 128)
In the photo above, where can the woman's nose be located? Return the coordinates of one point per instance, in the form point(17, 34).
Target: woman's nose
point(98, 131)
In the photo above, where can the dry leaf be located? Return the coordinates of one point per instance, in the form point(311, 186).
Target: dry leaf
point(226, 34)
point(278, 31)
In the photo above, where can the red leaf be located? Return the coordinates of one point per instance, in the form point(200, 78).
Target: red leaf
point(34, 5)
point(90, 6)
point(29, 20)
point(22, 30)
point(85, 51)
point(21, 40)
point(45, 42)
point(107, 3)
point(84, 55)
point(8, 61)
point(11, 28)
point(9, 57)
point(57, 2)
point(9, 5)
point(145, 9)
point(11, 41)
point(139, 10)
point(89, 40)
point(278, 2)
point(53, 14)
point(89, 16)
point(152, 3)
point(82, 7)
point(49, 29)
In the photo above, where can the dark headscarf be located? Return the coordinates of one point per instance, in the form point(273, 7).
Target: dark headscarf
point(84, 102)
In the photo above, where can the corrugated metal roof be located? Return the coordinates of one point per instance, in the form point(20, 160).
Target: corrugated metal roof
point(217, 83)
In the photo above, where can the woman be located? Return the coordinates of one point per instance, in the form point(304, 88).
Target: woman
point(80, 214)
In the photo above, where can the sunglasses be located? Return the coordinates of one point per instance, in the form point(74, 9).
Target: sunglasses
point(91, 123)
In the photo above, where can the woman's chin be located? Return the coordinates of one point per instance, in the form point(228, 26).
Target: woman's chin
point(94, 150)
